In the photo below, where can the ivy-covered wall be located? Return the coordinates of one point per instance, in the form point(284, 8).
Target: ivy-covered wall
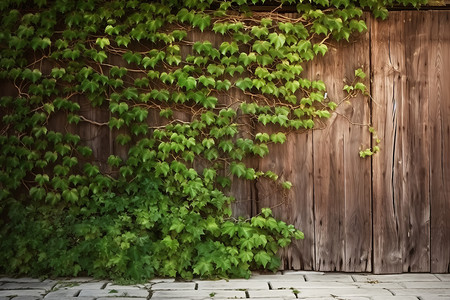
point(181, 88)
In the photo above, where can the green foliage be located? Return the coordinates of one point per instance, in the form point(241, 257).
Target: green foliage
point(160, 205)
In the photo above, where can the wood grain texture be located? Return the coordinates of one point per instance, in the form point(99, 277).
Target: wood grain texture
point(342, 180)
point(387, 84)
point(400, 63)
point(415, 160)
point(439, 129)
point(293, 161)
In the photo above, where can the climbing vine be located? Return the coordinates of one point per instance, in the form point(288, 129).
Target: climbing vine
point(182, 82)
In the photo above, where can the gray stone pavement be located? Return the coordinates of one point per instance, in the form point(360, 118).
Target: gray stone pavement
point(281, 286)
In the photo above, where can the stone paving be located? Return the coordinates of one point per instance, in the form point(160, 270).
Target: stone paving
point(286, 285)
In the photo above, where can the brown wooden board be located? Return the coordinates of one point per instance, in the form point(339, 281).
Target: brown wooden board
point(292, 161)
point(401, 202)
point(342, 180)
point(439, 125)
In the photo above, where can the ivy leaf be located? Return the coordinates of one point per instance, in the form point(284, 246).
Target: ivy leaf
point(259, 31)
point(203, 267)
point(70, 195)
point(266, 22)
point(359, 73)
point(208, 142)
point(201, 21)
point(261, 150)
point(303, 46)
point(208, 117)
point(38, 42)
point(319, 85)
point(262, 258)
point(187, 82)
point(87, 85)
point(131, 57)
point(244, 84)
point(292, 86)
point(223, 85)
point(221, 28)
point(278, 137)
point(286, 27)
point(226, 145)
point(322, 48)
point(261, 46)
point(360, 86)
point(58, 72)
point(247, 59)
point(102, 42)
point(238, 169)
point(226, 47)
point(123, 40)
point(210, 102)
point(277, 40)
point(319, 28)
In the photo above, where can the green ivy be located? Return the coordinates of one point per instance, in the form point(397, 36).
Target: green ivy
point(163, 208)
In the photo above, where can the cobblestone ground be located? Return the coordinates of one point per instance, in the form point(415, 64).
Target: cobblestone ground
point(286, 285)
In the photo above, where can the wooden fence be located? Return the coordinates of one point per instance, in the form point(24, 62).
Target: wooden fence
point(389, 213)
point(385, 214)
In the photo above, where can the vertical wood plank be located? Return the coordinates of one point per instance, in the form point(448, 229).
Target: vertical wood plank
point(387, 84)
point(439, 118)
point(342, 180)
point(293, 162)
point(415, 160)
point(400, 172)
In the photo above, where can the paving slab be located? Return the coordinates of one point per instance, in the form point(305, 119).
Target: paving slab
point(162, 280)
point(317, 298)
point(10, 293)
point(396, 277)
point(284, 294)
point(62, 294)
point(23, 279)
point(280, 277)
point(394, 298)
point(342, 292)
point(203, 294)
point(443, 277)
point(96, 285)
point(27, 298)
point(291, 272)
point(433, 297)
point(421, 292)
point(69, 298)
point(47, 286)
point(75, 279)
point(322, 285)
point(121, 298)
point(329, 277)
point(424, 285)
point(112, 286)
point(114, 293)
point(233, 285)
point(173, 286)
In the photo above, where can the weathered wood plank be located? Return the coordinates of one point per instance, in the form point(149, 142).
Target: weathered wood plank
point(400, 172)
point(387, 83)
point(293, 162)
point(342, 180)
point(415, 160)
point(439, 119)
